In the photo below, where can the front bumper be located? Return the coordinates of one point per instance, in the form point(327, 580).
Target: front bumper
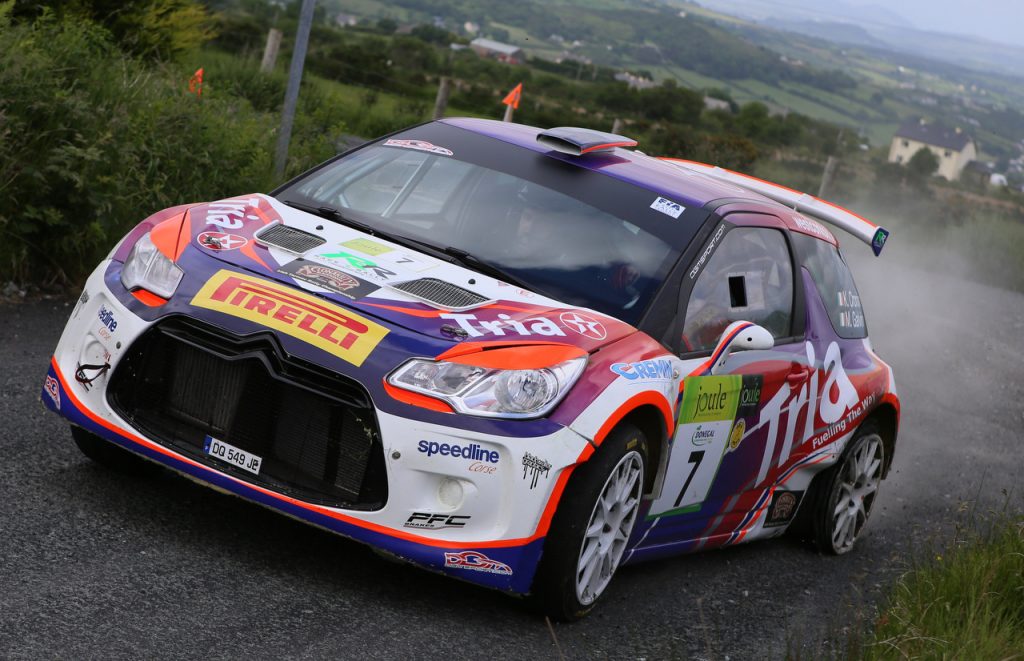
point(450, 510)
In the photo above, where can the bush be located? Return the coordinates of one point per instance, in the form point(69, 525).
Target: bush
point(93, 141)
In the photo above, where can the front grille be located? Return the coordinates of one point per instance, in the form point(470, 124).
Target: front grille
point(314, 429)
point(440, 293)
point(289, 238)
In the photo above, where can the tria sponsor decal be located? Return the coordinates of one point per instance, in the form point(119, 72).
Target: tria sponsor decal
point(231, 214)
point(645, 370)
point(473, 451)
point(335, 330)
point(52, 389)
point(476, 561)
point(504, 325)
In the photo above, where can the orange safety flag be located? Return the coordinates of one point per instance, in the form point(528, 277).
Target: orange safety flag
point(195, 83)
point(512, 98)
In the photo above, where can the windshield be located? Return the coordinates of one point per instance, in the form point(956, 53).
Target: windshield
point(555, 243)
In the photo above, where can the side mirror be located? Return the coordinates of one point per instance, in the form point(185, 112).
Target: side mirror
point(739, 335)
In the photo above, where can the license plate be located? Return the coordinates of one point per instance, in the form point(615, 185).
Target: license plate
point(232, 455)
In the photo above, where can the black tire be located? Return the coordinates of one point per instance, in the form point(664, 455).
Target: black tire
point(111, 456)
point(555, 590)
point(844, 496)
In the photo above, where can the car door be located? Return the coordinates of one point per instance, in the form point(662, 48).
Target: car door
point(726, 440)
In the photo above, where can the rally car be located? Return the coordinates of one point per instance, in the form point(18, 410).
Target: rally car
point(517, 357)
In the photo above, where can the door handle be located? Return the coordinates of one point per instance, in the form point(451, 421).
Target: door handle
point(798, 375)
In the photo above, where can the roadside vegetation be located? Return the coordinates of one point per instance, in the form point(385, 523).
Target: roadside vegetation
point(98, 127)
point(962, 602)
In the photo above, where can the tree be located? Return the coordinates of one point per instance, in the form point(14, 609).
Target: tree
point(924, 163)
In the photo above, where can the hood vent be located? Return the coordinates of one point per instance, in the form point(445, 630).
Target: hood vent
point(441, 294)
point(288, 238)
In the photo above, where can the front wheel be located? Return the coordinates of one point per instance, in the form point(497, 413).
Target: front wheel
point(111, 456)
point(592, 526)
point(847, 493)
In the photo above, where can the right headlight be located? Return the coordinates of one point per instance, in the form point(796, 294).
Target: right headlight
point(496, 393)
point(148, 268)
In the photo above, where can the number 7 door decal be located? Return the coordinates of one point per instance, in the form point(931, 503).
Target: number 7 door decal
point(702, 437)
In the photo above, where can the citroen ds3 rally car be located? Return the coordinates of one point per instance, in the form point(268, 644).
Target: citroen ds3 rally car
point(517, 357)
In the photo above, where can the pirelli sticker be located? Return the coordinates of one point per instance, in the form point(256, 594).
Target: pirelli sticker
point(337, 331)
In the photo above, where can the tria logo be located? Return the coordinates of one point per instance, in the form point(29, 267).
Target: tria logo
point(584, 325)
point(505, 325)
point(231, 214)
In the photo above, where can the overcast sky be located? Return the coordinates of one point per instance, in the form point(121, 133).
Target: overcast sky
point(999, 20)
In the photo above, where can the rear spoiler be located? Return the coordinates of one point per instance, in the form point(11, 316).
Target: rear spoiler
point(863, 229)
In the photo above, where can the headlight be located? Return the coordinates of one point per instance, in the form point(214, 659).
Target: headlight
point(148, 268)
point(496, 393)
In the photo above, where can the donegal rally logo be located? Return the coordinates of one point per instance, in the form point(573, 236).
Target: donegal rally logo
point(319, 323)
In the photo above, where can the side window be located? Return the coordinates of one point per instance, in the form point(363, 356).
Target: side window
point(750, 277)
point(835, 285)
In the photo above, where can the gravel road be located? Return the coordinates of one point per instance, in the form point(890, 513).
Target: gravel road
point(96, 565)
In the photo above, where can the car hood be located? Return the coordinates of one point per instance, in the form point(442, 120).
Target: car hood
point(376, 277)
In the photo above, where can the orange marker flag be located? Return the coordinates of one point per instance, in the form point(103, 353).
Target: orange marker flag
point(195, 83)
point(512, 98)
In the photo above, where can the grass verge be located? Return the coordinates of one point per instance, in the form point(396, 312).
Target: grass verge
point(964, 603)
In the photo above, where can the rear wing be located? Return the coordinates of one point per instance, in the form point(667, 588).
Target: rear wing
point(863, 229)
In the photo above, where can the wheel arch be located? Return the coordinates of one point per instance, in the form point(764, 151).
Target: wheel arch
point(886, 415)
point(651, 421)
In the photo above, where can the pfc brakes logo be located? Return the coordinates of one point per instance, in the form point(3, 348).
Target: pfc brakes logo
point(431, 521)
point(476, 561)
point(339, 332)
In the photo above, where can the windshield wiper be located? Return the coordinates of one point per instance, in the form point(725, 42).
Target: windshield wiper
point(472, 261)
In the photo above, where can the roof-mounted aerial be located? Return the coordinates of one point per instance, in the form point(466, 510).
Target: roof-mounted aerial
point(578, 141)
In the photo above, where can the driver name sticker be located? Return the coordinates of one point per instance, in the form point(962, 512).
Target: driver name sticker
point(367, 247)
point(418, 145)
point(668, 207)
point(704, 433)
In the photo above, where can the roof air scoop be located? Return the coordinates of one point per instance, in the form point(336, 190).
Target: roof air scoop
point(577, 141)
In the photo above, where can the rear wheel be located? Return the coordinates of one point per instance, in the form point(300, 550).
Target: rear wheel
point(111, 456)
point(592, 526)
point(846, 494)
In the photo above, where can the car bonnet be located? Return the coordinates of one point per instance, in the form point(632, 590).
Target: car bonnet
point(378, 278)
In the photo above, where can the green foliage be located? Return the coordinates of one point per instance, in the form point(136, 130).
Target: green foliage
point(923, 163)
point(964, 603)
point(155, 29)
point(92, 141)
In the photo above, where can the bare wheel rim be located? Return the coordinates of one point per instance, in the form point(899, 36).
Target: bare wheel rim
point(611, 523)
point(855, 492)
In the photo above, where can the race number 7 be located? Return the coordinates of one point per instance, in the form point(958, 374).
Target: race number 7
point(696, 457)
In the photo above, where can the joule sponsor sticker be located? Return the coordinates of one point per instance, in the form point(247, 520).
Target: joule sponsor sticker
point(668, 207)
point(337, 331)
point(476, 561)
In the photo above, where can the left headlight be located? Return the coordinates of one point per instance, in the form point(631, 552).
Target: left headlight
point(148, 268)
point(495, 393)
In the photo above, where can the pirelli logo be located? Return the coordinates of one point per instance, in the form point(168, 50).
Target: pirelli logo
point(338, 332)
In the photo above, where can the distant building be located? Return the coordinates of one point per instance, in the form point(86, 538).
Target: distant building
point(711, 103)
point(953, 147)
point(497, 50)
point(346, 20)
point(635, 82)
point(470, 27)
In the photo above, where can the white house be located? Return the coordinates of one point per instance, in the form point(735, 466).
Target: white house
point(953, 147)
